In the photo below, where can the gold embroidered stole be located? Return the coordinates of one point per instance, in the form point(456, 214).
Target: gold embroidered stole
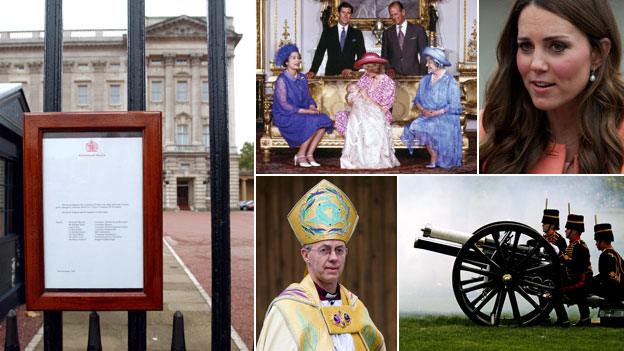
point(313, 324)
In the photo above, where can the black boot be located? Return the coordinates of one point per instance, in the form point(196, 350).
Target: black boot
point(562, 316)
point(546, 320)
point(585, 320)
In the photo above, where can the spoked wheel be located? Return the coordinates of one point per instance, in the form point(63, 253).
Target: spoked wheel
point(506, 274)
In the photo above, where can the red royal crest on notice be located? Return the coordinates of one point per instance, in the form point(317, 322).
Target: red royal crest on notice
point(91, 146)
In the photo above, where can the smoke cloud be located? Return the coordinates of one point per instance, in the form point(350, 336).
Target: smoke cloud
point(467, 203)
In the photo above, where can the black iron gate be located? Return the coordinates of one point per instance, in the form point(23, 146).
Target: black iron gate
point(219, 158)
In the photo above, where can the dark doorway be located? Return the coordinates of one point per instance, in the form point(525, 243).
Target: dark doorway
point(183, 195)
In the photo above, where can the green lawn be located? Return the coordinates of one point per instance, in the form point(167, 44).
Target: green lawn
point(459, 333)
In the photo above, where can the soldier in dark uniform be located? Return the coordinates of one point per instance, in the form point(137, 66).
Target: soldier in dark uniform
point(609, 283)
point(575, 260)
point(550, 225)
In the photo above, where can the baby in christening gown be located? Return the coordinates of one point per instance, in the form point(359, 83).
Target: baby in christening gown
point(354, 91)
point(368, 142)
point(342, 117)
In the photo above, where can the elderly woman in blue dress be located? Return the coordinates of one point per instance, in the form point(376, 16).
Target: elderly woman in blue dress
point(437, 127)
point(294, 111)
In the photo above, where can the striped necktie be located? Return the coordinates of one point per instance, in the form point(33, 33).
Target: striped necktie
point(401, 38)
point(343, 36)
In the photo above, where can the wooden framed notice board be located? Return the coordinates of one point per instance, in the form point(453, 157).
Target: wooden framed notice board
point(93, 211)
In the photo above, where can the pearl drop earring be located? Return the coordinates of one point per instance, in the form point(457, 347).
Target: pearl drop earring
point(592, 76)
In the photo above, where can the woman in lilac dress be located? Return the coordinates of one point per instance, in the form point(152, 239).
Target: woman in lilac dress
point(366, 126)
point(438, 126)
point(294, 111)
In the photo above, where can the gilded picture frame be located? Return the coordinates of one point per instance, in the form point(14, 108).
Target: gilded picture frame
point(364, 16)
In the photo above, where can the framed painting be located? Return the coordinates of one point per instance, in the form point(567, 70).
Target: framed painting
point(367, 12)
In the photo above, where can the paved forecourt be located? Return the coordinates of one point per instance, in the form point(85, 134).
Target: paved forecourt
point(180, 294)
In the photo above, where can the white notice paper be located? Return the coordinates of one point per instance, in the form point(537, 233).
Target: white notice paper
point(93, 212)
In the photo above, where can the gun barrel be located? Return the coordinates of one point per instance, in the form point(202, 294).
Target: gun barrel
point(445, 234)
point(449, 242)
point(450, 249)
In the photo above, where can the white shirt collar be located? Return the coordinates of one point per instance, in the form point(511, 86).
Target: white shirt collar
point(402, 27)
point(340, 26)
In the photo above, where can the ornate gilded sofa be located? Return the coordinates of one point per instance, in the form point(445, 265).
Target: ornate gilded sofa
point(330, 96)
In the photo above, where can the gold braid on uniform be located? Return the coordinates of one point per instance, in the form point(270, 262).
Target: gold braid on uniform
point(567, 255)
point(551, 237)
point(617, 275)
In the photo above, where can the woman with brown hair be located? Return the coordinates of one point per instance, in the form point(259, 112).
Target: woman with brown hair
point(555, 104)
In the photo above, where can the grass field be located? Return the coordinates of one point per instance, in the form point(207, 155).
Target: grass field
point(459, 333)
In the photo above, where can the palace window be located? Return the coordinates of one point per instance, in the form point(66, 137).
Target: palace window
point(83, 95)
point(206, 137)
point(115, 94)
point(182, 132)
point(182, 91)
point(205, 91)
point(156, 91)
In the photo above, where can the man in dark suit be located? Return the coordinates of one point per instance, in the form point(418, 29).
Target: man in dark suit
point(343, 43)
point(402, 43)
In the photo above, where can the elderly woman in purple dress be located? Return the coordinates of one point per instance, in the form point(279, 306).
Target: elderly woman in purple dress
point(366, 125)
point(294, 111)
point(438, 126)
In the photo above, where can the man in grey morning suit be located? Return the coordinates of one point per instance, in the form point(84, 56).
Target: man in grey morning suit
point(402, 43)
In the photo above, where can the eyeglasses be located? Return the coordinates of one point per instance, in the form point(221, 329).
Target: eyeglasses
point(326, 250)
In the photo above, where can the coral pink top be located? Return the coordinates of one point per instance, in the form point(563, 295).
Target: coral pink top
point(553, 158)
point(553, 161)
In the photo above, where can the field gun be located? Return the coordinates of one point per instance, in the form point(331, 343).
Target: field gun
point(505, 273)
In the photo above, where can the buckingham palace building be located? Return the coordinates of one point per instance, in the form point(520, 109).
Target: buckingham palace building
point(94, 79)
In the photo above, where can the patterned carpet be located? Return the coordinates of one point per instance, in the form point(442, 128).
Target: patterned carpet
point(282, 162)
